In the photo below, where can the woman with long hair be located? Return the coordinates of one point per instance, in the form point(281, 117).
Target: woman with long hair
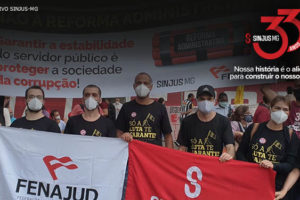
point(240, 120)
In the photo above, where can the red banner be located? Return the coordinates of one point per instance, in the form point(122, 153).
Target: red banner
point(158, 173)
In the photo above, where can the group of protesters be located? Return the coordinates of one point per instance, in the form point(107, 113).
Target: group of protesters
point(270, 138)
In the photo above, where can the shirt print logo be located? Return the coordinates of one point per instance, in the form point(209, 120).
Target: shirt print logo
point(83, 132)
point(97, 133)
point(276, 145)
point(205, 146)
point(262, 140)
point(211, 135)
point(142, 128)
point(61, 161)
point(133, 114)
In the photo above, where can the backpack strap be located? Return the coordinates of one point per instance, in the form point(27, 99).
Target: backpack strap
point(254, 129)
point(288, 132)
point(229, 111)
point(240, 127)
point(291, 131)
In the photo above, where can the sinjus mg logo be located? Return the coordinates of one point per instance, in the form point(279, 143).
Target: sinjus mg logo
point(284, 16)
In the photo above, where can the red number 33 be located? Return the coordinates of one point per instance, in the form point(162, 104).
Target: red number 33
point(275, 21)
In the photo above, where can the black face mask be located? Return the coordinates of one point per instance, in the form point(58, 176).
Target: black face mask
point(297, 94)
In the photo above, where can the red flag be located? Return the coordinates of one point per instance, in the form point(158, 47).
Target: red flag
point(158, 173)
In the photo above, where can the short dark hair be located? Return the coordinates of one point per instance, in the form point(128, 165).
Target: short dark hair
point(52, 113)
point(143, 73)
point(34, 87)
point(160, 100)
point(190, 95)
point(92, 86)
point(222, 94)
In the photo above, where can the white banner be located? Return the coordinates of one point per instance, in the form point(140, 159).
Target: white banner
point(179, 58)
point(38, 165)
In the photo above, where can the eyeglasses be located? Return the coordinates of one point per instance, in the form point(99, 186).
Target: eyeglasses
point(40, 97)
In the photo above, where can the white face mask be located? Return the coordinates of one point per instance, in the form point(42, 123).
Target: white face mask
point(91, 103)
point(223, 104)
point(142, 90)
point(205, 106)
point(57, 117)
point(35, 104)
point(279, 116)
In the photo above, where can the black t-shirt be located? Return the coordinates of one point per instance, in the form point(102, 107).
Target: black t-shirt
point(111, 112)
point(298, 156)
point(42, 124)
point(146, 123)
point(267, 144)
point(101, 127)
point(205, 138)
point(297, 185)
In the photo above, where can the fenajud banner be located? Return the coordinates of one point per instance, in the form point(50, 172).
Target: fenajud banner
point(157, 173)
point(42, 165)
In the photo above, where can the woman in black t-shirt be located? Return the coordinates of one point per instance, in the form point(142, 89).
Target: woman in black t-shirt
point(271, 144)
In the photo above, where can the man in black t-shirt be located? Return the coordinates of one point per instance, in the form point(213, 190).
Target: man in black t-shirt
point(91, 122)
point(35, 118)
point(143, 118)
point(206, 132)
